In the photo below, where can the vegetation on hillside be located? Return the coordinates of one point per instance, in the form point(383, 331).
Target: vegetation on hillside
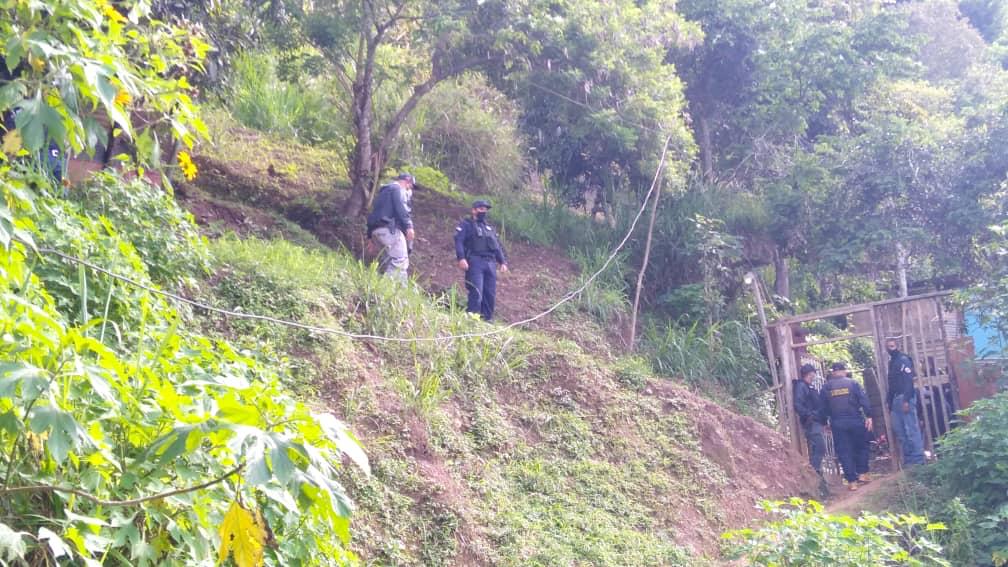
point(842, 151)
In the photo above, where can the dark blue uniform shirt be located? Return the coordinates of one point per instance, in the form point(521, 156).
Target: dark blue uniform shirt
point(475, 238)
point(901, 378)
point(844, 399)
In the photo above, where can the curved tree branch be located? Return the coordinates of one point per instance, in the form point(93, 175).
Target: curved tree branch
point(131, 502)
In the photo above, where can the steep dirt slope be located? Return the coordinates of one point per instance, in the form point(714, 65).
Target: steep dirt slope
point(571, 458)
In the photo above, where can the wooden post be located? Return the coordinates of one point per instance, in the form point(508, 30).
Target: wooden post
point(789, 373)
point(920, 361)
point(883, 384)
point(768, 344)
point(953, 379)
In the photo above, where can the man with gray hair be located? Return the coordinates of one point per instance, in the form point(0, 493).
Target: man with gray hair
point(390, 225)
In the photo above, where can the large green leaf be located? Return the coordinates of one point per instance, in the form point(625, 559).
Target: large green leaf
point(63, 431)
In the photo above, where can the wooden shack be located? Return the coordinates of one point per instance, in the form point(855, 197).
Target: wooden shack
point(928, 328)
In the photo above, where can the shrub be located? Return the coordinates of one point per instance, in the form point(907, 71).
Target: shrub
point(164, 447)
point(971, 465)
point(468, 129)
point(805, 536)
point(303, 111)
point(727, 353)
point(163, 233)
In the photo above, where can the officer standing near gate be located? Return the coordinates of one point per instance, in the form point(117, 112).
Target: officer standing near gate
point(479, 253)
point(846, 406)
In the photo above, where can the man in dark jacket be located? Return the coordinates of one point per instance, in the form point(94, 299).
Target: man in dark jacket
point(902, 404)
point(390, 225)
point(479, 253)
point(848, 410)
point(807, 406)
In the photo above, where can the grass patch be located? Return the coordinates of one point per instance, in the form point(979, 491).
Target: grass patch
point(576, 512)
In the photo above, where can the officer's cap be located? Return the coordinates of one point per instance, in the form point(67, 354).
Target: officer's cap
point(481, 203)
point(838, 366)
point(406, 176)
point(806, 368)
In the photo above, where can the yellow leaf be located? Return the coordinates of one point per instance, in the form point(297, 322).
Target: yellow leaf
point(243, 537)
point(12, 142)
point(37, 63)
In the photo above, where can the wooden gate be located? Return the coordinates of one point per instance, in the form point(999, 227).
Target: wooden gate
point(922, 324)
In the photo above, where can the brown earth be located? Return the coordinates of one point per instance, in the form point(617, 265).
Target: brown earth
point(257, 197)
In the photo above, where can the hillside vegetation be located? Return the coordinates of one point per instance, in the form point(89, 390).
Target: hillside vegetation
point(200, 365)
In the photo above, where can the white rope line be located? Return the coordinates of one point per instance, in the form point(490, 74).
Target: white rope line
point(360, 336)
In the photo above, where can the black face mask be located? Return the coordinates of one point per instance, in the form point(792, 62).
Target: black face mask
point(481, 217)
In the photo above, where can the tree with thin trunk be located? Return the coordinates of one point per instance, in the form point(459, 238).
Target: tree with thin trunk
point(407, 47)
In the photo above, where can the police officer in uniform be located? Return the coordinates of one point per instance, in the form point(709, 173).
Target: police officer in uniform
point(807, 406)
point(846, 406)
point(479, 253)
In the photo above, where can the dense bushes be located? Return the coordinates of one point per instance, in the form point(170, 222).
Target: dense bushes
point(805, 536)
point(129, 439)
point(303, 110)
point(468, 129)
point(972, 466)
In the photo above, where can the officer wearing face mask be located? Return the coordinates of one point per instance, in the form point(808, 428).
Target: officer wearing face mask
point(479, 253)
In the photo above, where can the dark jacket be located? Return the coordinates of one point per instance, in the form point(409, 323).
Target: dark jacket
point(475, 238)
point(807, 403)
point(901, 378)
point(391, 209)
point(843, 398)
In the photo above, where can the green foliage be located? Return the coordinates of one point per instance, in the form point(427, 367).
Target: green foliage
point(163, 234)
point(606, 297)
point(152, 408)
point(726, 353)
point(573, 512)
point(548, 223)
point(970, 466)
point(805, 536)
point(597, 74)
point(633, 371)
point(468, 130)
point(69, 58)
point(302, 110)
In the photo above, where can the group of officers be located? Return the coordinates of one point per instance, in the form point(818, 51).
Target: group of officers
point(478, 251)
point(842, 407)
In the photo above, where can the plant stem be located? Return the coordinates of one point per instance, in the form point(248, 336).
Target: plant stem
point(131, 502)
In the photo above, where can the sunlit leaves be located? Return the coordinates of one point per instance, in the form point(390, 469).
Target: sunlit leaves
point(85, 59)
point(802, 534)
point(134, 405)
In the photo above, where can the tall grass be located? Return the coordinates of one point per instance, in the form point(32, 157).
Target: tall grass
point(258, 98)
point(726, 354)
point(606, 297)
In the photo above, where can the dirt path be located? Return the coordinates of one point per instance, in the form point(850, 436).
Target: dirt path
point(853, 503)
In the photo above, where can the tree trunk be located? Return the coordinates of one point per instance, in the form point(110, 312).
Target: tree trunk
point(656, 185)
point(706, 150)
point(901, 269)
point(782, 274)
point(360, 171)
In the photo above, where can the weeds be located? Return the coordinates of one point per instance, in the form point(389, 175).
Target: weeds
point(259, 99)
point(726, 353)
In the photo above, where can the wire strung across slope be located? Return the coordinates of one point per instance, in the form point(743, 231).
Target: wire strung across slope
point(360, 336)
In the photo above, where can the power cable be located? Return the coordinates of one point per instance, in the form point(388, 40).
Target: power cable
point(360, 336)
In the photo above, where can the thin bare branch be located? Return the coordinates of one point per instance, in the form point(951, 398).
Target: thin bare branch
point(120, 503)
